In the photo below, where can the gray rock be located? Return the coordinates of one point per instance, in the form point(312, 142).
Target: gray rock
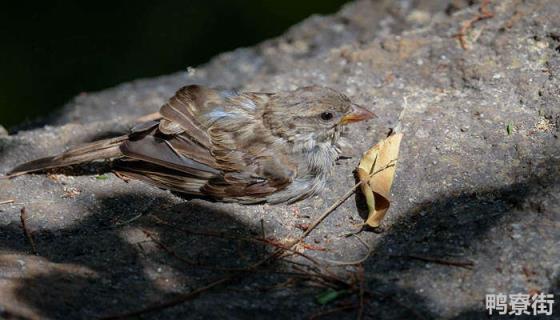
point(478, 178)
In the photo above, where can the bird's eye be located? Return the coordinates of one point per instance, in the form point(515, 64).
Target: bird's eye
point(326, 116)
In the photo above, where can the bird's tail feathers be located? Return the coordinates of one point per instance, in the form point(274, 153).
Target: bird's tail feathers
point(98, 150)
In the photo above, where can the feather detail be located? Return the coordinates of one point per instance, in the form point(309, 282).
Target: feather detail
point(158, 151)
point(181, 109)
point(160, 176)
point(170, 128)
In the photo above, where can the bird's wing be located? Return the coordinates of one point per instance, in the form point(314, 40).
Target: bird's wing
point(208, 142)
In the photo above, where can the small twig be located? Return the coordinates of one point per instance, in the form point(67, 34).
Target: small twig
point(464, 264)
point(23, 217)
point(121, 176)
point(7, 201)
point(328, 212)
point(311, 247)
point(484, 13)
point(136, 217)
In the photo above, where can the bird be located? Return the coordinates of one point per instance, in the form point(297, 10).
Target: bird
point(229, 146)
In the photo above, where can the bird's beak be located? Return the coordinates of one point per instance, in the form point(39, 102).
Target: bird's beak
point(358, 114)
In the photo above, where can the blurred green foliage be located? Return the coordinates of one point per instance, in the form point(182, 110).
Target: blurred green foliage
point(53, 50)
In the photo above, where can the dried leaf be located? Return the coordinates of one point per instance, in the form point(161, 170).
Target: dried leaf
point(377, 171)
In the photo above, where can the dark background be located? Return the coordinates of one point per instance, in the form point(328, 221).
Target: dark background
point(53, 50)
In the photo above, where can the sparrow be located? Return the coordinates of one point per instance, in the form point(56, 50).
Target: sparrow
point(249, 147)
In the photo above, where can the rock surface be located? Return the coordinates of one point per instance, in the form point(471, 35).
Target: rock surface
point(478, 179)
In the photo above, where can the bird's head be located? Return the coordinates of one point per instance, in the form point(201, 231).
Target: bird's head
point(311, 115)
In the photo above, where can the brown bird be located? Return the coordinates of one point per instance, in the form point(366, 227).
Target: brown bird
point(243, 147)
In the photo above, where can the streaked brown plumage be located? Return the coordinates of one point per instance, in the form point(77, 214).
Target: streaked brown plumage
point(245, 147)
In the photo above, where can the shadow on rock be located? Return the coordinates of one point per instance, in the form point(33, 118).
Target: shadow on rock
point(453, 228)
point(106, 265)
